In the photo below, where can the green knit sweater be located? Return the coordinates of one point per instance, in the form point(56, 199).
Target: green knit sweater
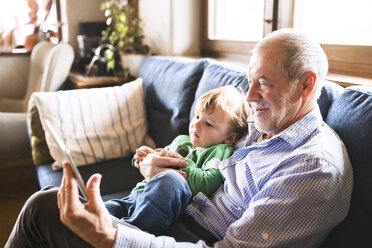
point(200, 176)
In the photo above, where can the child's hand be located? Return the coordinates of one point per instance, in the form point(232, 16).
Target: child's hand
point(166, 153)
point(141, 153)
point(153, 164)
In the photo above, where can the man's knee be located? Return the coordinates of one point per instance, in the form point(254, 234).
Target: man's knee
point(42, 197)
point(39, 224)
point(42, 204)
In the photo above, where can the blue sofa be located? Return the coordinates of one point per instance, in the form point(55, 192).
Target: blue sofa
point(171, 86)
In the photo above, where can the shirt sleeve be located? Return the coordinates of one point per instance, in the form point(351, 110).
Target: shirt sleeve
point(180, 140)
point(201, 179)
point(128, 237)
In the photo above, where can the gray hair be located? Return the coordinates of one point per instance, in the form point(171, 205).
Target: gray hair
point(299, 54)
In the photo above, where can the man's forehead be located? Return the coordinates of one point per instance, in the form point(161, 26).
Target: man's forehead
point(253, 66)
point(262, 62)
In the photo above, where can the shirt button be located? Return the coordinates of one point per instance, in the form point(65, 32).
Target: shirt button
point(265, 236)
point(233, 160)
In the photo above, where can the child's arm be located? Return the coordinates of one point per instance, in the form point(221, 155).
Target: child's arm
point(203, 179)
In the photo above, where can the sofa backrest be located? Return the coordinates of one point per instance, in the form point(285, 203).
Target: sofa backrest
point(169, 86)
point(350, 115)
point(216, 75)
point(328, 94)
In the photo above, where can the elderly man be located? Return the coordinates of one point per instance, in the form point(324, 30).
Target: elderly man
point(288, 186)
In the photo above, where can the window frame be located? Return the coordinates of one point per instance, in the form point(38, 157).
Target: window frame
point(350, 60)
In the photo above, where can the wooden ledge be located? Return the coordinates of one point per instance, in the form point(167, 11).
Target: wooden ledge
point(81, 81)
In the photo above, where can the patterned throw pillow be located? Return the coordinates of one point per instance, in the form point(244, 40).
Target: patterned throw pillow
point(95, 124)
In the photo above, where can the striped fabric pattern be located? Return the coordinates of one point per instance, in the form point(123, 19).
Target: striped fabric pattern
point(96, 124)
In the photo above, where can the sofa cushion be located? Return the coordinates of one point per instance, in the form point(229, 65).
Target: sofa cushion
point(118, 176)
point(351, 117)
point(95, 124)
point(328, 94)
point(217, 75)
point(169, 86)
point(40, 151)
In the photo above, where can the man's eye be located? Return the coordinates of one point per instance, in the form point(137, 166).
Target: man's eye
point(250, 83)
point(209, 124)
point(265, 83)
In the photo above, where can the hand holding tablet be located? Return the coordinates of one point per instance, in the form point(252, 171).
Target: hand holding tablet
point(67, 155)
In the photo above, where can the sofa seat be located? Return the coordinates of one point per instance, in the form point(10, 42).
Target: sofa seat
point(118, 177)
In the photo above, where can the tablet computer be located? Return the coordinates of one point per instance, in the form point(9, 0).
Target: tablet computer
point(67, 155)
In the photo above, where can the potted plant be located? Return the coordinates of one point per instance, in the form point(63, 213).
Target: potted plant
point(125, 33)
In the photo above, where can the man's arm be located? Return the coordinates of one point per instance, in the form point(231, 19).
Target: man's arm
point(293, 209)
point(91, 221)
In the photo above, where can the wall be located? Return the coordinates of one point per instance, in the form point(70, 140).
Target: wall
point(172, 27)
point(186, 27)
point(13, 75)
point(156, 16)
point(14, 69)
point(74, 12)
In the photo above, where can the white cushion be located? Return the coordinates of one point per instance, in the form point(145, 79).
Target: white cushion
point(96, 124)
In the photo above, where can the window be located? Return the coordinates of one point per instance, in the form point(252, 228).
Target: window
point(343, 27)
point(222, 25)
point(349, 22)
point(23, 23)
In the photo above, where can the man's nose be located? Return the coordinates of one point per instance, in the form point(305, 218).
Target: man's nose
point(253, 93)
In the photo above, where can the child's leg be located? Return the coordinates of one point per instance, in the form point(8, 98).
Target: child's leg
point(161, 203)
point(123, 207)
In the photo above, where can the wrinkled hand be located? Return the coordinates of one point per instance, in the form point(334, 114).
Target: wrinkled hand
point(91, 221)
point(157, 162)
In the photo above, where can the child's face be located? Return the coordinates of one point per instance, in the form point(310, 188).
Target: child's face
point(207, 129)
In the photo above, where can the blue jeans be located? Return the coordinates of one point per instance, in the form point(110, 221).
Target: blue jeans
point(157, 206)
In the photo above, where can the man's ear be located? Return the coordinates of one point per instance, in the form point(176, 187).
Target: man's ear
point(308, 80)
point(232, 138)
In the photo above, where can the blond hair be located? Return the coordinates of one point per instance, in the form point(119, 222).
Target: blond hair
point(231, 101)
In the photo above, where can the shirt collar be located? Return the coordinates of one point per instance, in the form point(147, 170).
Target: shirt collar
point(302, 129)
point(297, 132)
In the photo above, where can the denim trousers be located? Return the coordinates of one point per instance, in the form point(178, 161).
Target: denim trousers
point(157, 206)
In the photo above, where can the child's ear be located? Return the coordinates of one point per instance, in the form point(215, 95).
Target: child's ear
point(232, 138)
